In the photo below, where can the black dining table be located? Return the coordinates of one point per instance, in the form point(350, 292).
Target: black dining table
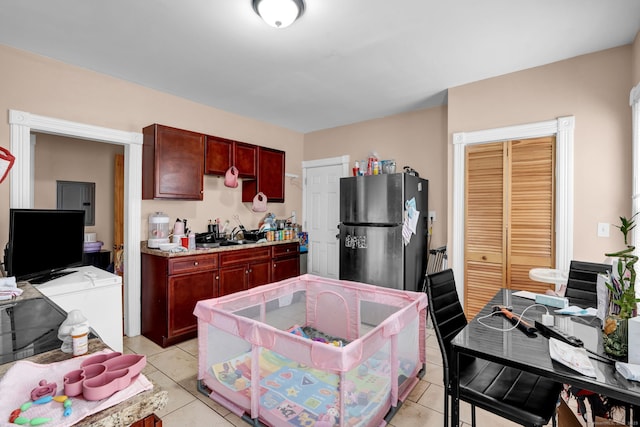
point(530, 352)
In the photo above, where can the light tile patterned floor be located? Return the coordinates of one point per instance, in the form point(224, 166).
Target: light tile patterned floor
point(175, 369)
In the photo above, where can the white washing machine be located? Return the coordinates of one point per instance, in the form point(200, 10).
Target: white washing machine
point(95, 292)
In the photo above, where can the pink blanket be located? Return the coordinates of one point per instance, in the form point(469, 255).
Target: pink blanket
point(21, 378)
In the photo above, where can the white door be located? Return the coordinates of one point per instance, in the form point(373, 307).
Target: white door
point(322, 214)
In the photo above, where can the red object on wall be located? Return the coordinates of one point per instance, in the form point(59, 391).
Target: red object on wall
point(6, 162)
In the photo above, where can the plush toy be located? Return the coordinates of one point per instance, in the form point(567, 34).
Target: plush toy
point(329, 419)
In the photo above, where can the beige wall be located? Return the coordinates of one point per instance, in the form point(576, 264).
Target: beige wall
point(595, 89)
point(417, 139)
point(66, 159)
point(50, 88)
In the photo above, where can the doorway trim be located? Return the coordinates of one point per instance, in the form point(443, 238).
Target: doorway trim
point(563, 129)
point(21, 188)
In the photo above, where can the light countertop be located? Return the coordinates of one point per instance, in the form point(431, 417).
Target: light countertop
point(123, 414)
point(146, 250)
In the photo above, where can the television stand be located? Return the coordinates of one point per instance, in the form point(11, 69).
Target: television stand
point(49, 276)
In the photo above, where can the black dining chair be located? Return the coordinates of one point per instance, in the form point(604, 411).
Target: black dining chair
point(582, 291)
point(521, 397)
point(581, 287)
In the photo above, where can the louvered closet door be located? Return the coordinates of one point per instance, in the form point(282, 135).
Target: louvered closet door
point(484, 225)
point(509, 226)
point(530, 240)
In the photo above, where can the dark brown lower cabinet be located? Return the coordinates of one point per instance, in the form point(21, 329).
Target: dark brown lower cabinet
point(171, 287)
point(244, 269)
point(150, 421)
point(285, 261)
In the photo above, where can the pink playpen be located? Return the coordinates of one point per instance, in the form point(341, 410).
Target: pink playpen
point(311, 351)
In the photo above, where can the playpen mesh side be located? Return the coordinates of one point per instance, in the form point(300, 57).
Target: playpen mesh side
point(365, 376)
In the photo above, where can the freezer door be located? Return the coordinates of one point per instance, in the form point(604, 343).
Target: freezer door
point(376, 199)
point(372, 255)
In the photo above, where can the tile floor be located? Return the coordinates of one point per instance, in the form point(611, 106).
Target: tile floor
point(175, 369)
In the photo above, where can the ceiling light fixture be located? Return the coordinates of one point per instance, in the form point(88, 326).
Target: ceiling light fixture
point(279, 13)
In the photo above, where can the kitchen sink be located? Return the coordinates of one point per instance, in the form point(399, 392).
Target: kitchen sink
point(210, 245)
point(231, 242)
point(207, 245)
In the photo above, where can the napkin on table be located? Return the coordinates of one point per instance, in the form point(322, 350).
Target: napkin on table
point(575, 358)
point(629, 370)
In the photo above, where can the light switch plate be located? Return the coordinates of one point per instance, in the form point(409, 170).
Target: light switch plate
point(603, 229)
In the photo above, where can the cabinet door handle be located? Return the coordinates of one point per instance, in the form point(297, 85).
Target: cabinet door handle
point(246, 272)
point(275, 265)
point(484, 257)
point(195, 263)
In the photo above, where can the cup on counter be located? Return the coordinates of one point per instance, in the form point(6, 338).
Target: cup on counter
point(185, 241)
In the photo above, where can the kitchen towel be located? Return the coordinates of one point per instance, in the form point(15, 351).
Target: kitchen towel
point(24, 376)
point(8, 288)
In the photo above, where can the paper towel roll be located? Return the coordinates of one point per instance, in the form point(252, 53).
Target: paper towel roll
point(90, 237)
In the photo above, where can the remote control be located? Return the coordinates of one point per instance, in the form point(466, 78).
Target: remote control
point(552, 332)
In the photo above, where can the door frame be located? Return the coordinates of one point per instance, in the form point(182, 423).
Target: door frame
point(563, 129)
point(21, 189)
point(343, 160)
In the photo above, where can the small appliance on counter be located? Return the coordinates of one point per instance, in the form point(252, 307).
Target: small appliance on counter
point(158, 229)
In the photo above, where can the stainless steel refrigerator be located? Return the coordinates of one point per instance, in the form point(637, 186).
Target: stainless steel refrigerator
point(372, 215)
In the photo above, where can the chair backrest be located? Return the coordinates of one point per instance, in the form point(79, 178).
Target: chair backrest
point(582, 283)
point(446, 311)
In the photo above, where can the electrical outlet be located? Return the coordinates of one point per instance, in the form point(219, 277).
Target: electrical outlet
point(432, 216)
point(603, 229)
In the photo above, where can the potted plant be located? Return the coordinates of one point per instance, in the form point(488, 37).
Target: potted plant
point(622, 294)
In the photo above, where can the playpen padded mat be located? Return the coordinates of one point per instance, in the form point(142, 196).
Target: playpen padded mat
point(299, 394)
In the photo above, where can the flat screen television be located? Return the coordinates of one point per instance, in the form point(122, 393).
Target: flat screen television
point(26, 255)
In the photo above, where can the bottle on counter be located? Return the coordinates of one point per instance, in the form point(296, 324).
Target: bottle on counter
point(80, 339)
point(74, 319)
point(192, 240)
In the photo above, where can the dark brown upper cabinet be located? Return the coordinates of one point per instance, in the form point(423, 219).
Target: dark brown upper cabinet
point(270, 179)
point(245, 158)
point(172, 163)
point(219, 155)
